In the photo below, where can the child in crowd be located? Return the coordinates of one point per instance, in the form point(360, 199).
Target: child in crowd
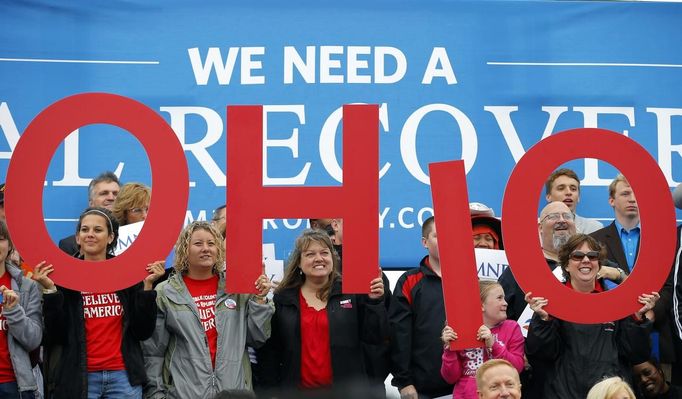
point(502, 338)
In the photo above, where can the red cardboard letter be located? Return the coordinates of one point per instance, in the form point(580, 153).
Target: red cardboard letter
point(26, 174)
point(357, 200)
point(657, 242)
point(456, 252)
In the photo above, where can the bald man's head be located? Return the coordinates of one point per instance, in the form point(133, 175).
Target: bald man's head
point(556, 226)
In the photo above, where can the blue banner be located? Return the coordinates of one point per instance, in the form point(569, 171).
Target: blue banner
point(480, 81)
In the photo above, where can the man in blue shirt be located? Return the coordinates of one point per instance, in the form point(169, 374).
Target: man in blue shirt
point(622, 236)
point(621, 239)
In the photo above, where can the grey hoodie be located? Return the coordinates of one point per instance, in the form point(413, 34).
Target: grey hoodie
point(177, 356)
point(24, 327)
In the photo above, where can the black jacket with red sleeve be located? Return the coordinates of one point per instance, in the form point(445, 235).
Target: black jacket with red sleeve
point(417, 317)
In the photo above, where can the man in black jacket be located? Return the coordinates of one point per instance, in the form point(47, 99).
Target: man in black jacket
point(416, 318)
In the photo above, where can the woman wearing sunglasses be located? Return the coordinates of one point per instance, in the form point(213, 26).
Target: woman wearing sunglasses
point(583, 354)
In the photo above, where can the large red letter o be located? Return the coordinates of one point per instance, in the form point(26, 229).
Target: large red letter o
point(29, 164)
point(657, 243)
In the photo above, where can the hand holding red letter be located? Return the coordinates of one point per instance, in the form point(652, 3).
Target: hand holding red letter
point(41, 273)
point(263, 286)
point(447, 336)
point(376, 287)
point(537, 304)
point(484, 334)
point(156, 271)
point(649, 301)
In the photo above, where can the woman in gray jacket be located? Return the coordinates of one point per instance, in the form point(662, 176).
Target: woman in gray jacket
point(199, 345)
point(21, 327)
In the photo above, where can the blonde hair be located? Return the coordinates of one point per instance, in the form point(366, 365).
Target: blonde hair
point(612, 186)
point(608, 388)
point(131, 195)
point(491, 364)
point(485, 286)
point(294, 278)
point(180, 263)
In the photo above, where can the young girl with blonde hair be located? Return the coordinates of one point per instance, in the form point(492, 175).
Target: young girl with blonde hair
point(502, 338)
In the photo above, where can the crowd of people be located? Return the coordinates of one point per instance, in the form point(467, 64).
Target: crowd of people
point(179, 334)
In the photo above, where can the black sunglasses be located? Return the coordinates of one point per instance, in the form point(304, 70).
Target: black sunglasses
point(579, 255)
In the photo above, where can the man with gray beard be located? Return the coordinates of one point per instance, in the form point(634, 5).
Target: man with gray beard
point(556, 225)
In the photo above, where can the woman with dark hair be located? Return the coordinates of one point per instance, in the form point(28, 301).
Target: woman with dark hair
point(92, 340)
point(584, 354)
point(317, 331)
point(199, 345)
point(20, 325)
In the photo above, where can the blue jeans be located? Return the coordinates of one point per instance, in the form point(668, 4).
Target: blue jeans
point(11, 390)
point(112, 385)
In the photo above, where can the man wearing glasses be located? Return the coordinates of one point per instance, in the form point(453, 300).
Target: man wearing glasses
point(556, 225)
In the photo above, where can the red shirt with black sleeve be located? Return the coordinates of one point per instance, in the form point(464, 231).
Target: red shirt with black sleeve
point(103, 316)
point(316, 358)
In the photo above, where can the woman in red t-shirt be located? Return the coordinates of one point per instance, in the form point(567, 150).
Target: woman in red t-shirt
point(92, 340)
point(202, 331)
point(318, 333)
point(20, 325)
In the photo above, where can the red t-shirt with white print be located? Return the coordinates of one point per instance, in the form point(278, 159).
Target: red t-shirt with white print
point(6, 369)
point(103, 315)
point(204, 293)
